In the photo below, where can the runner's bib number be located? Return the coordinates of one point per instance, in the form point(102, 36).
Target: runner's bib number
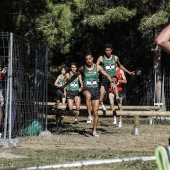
point(110, 67)
point(74, 85)
point(91, 83)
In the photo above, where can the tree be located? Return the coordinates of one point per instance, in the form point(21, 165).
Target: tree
point(156, 16)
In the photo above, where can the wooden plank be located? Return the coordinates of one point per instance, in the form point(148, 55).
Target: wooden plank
point(116, 107)
point(136, 122)
point(137, 113)
point(119, 113)
point(51, 103)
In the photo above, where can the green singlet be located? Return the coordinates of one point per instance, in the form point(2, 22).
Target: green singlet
point(74, 85)
point(61, 79)
point(90, 78)
point(110, 66)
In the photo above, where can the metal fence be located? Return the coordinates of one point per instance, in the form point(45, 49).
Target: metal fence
point(24, 86)
point(141, 90)
point(166, 89)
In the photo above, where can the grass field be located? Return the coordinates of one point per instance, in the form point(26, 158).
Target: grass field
point(75, 143)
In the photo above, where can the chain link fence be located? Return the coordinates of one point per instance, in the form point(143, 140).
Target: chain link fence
point(23, 86)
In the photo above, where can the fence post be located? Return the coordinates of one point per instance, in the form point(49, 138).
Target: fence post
point(136, 125)
point(46, 84)
point(8, 106)
point(45, 95)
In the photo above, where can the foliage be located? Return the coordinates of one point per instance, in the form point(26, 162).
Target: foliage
point(56, 26)
point(118, 14)
point(148, 23)
point(70, 27)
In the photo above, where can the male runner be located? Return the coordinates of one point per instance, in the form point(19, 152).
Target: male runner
point(109, 62)
point(91, 88)
point(73, 90)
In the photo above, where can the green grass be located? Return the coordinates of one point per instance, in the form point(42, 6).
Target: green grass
point(47, 157)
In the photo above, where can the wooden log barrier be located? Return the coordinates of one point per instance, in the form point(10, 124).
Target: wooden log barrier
point(136, 114)
point(134, 111)
point(116, 107)
point(119, 113)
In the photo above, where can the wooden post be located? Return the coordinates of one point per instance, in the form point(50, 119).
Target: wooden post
point(136, 125)
point(151, 120)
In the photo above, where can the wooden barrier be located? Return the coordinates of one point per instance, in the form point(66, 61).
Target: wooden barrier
point(119, 113)
point(52, 104)
point(132, 111)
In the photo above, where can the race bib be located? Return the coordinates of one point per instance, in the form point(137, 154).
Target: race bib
point(110, 67)
point(74, 85)
point(91, 83)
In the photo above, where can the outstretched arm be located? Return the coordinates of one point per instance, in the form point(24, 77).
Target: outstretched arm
point(124, 69)
point(163, 39)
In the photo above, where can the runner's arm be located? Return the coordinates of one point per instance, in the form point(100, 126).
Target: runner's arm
point(56, 82)
point(99, 60)
point(163, 39)
point(81, 82)
point(65, 78)
point(123, 68)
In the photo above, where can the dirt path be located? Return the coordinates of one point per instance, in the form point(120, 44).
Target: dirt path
point(79, 137)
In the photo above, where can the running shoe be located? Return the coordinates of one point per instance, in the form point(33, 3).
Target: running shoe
point(103, 107)
point(115, 121)
point(75, 122)
point(162, 158)
point(120, 124)
point(89, 120)
point(95, 134)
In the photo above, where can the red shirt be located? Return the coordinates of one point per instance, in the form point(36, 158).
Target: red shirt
point(119, 77)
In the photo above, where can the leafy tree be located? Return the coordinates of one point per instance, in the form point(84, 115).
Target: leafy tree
point(155, 17)
point(70, 27)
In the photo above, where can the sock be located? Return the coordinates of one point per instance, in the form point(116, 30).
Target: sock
point(114, 113)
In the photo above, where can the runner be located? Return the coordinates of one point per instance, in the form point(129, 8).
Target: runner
point(120, 79)
point(73, 90)
point(91, 88)
point(108, 62)
point(61, 94)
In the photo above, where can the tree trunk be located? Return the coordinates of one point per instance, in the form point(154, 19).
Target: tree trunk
point(157, 70)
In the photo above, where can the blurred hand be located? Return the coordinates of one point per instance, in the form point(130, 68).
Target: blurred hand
point(132, 73)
